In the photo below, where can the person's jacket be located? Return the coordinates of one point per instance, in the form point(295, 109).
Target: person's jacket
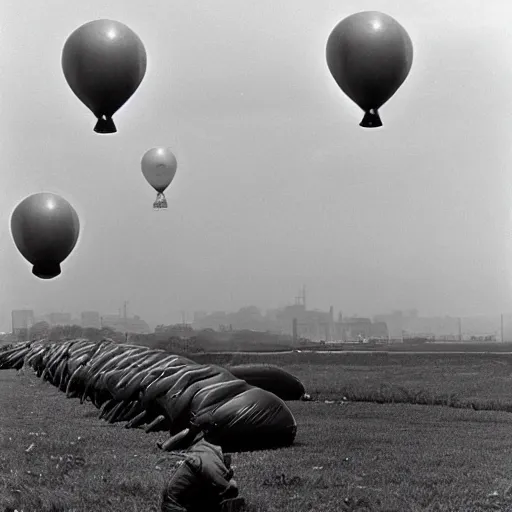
point(202, 478)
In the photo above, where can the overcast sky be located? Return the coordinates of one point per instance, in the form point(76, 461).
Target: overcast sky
point(277, 185)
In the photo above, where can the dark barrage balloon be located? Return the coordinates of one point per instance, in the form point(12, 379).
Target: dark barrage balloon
point(270, 378)
point(45, 229)
point(104, 63)
point(369, 54)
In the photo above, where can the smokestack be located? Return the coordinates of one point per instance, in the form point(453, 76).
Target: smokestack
point(331, 324)
point(294, 330)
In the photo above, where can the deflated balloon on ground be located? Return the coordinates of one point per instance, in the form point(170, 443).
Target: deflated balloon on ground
point(271, 378)
point(164, 392)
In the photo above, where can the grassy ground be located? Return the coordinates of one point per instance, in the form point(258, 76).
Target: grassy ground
point(459, 380)
point(458, 346)
point(55, 455)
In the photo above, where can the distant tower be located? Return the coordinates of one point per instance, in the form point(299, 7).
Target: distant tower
point(125, 322)
point(294, 330)
point(330, 336)
point(300, 300)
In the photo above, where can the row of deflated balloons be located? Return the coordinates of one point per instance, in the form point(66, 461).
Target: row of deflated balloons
point(369, 55)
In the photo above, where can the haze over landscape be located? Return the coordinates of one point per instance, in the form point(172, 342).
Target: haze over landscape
point(322, 316)
point(277, 185)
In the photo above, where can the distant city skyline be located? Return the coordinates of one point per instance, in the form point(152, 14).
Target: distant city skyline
point(317, 324)
point(182, 316)
point(315, 301)
point(25, 318)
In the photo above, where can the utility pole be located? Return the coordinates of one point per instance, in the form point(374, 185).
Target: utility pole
point(460, 329)
point(502, 340)
point(125, 323)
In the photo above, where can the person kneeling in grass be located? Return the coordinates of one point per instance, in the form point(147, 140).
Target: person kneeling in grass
point(203, 481)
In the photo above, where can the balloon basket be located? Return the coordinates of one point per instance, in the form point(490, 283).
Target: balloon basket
point(160, 203)
point(371, 119)
point(105, 125)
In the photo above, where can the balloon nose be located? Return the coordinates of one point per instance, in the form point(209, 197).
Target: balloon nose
point(46, 269)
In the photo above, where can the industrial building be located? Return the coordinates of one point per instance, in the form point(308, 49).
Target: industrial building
point(125, 324)
point(59, 319)
point(22, 319)
point(356, 328)
point(91, 319)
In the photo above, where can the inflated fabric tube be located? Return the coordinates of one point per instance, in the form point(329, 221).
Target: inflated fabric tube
point(162, 391)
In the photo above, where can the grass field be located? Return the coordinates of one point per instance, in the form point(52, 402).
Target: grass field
point(55, 455)
point(437, 346)
point(456, 346)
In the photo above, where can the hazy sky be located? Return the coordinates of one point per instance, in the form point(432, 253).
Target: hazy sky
point(277, 185)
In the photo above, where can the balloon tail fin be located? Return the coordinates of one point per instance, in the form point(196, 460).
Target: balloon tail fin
point(105, 125)
point(371, 119)
point(160, 202)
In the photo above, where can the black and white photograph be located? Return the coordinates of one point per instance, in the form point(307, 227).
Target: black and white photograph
point(256, 256)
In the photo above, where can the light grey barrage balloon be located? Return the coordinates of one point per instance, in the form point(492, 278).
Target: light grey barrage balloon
point(159, 168)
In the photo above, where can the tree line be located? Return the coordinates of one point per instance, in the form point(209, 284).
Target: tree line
point(177, 338)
